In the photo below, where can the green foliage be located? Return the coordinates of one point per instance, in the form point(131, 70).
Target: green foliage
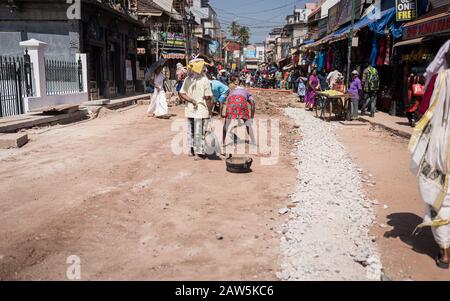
point(240, 32)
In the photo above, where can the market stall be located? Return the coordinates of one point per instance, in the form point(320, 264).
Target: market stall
point(334, 102)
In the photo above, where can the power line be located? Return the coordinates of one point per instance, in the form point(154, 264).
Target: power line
point(257, 12)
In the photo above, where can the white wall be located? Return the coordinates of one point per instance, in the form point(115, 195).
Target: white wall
point(326, 6)
point(259, 50)
point(36, 50)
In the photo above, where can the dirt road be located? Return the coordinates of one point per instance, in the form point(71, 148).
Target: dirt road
point(111, 192)
point(385, 161)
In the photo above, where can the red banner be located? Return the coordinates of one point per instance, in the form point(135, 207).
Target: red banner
point(439, 25)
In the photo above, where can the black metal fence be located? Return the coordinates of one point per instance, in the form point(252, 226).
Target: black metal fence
point(15, 84)
point(63, 77)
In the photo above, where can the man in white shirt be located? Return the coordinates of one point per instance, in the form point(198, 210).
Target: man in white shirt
point(197, 92)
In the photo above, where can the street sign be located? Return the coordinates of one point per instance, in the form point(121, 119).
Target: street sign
point(406, 10)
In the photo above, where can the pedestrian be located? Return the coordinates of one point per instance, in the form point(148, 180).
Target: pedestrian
point(371, 85)
point(278, 79)
point(158, 103)
point(430, 148)
point(220, 92)
point(237, 108)
point(180, 75)
point(301, 87)
point(313, 87)
point(196, 91)
point(223, 77)
point(248, 79)
point(242, 79)
point(333, 78)
point(355, 90)
point(415, 93)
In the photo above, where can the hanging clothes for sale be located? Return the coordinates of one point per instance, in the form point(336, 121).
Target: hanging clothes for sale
point(381, 52)
point(329, 59)
point(321, 61)
point(375, 50)
point(387, 59)
point(338, 58)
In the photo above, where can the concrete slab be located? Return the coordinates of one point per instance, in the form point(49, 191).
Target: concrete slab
point(14, 140)
point(99, 102)
point(16, 123)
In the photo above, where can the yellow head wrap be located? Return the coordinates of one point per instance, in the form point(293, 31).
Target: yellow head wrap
point(196, 65)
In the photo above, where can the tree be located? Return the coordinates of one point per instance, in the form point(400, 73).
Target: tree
point(241, 32)
point(234, 29)
point(244, 35)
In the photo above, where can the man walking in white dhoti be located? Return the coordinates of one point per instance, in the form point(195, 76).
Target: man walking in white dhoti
point(158, 104)
point(430, 149)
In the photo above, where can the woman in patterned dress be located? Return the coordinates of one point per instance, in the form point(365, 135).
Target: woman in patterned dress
point(237, 108)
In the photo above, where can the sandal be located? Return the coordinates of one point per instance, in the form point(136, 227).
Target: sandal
point(441, 264)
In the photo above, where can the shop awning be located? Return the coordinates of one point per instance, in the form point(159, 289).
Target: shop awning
point(409, 42)
point(308, 42)
point(322, 41)
point(369, 20)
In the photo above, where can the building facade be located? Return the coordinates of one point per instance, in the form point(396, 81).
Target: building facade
point(105, 30)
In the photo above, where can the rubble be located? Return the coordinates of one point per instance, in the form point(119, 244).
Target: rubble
point(332, 217)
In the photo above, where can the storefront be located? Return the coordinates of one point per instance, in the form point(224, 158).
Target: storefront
point(109, 39)
point(430, 32)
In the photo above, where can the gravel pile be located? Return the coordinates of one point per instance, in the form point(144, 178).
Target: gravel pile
point(327, 235)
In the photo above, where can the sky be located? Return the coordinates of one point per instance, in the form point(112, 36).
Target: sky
point(259, 15)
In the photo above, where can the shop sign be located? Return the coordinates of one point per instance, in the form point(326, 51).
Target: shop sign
point(173, 39)
point(436, 26)
point(406, 10)
point(250, 52)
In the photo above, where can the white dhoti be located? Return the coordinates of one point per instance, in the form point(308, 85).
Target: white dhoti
point(430, 149)
point(158, 104)
point(442, 233)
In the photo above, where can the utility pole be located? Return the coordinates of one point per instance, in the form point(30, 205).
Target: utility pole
point(157, 40)
point(350, 42)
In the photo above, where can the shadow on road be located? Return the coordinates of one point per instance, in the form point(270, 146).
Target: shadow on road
point(403, 123)
point(403, 226)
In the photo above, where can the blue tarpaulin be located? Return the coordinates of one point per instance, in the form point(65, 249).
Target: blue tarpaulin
point(387, 19)
point(376, 25)
point(308, 42)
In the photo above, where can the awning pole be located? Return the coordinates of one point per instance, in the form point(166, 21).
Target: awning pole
point(350, 42)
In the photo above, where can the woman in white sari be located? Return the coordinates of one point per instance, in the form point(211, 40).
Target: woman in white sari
point(430, 149)
point(158, 104)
